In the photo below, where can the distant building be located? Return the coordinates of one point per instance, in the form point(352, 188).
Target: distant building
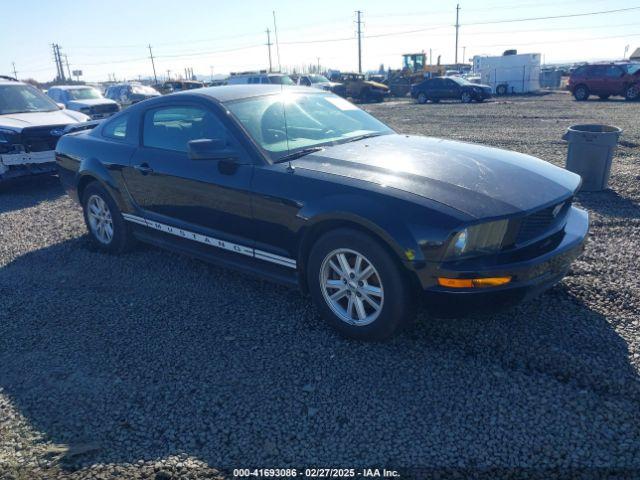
point(635, 55)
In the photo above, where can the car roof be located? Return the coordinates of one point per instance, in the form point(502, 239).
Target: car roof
point(229, 93)
point(70, 87)
point(10, 81)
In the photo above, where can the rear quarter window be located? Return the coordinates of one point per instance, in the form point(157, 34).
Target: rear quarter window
point(118, 129)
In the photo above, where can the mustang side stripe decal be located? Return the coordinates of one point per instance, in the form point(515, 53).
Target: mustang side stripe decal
point(214, 242)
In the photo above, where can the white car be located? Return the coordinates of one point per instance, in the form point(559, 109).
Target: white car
point(30, 125)
point(85, 99)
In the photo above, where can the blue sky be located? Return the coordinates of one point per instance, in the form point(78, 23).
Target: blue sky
point(110, 36)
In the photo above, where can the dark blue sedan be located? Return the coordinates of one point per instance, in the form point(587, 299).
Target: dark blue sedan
point(302, 187)
point(449, 88)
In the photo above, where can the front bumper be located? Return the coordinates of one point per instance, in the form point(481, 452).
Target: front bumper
point(22, 164)
point(531, 274)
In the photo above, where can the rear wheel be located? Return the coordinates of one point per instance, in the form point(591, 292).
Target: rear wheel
point(632, 92)
point(358, 287)
point(581, 93)
point(422, 98)
point(501, 90)
point(104, 221)
point(466, 97)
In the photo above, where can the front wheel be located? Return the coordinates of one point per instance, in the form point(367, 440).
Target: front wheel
point(581, 93)
point(422, 98)
point(104, 221)
point(466, 97)
point(358, 287)
point(632, 93)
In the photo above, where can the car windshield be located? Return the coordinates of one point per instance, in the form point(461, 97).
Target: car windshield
point(285, 123)
point(143, 90)
point(460, 81)
point(24, 99)
point(83, 93)
point(281, 80)
point(318, 79)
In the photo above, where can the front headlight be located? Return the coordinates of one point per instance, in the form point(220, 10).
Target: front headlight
point(477, 240)
point(9, 142)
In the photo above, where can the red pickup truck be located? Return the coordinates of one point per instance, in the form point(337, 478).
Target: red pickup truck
point(605, 80)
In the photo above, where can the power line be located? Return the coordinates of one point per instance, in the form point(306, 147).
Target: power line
point(602, 12)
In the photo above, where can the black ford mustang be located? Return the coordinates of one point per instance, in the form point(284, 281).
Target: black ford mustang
point(303, 187)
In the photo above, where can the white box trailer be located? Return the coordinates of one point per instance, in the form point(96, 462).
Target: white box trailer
point(518, 73)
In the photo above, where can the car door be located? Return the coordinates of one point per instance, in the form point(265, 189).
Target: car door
point(437, 90)
point(453, 89)
point(596, 79)
point(210, 197)
point(614, 81)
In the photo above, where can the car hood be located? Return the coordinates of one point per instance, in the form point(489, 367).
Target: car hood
point(90, 102)
point(18, 121)
point(479, 181)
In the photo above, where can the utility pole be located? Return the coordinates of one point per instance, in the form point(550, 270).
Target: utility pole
point(464, 54)
point(275, 31)
point(318, 72)
point(15, 74)
point(153, 64)
point(359, 13)
point(168, 75)
point(430, 56)
point(66, 60)
point(269, 47)
point(58, 60)
point(457, 28)
point(211, 67)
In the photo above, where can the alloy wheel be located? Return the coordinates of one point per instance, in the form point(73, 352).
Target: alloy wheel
point(351, 286)
point(633, 92)
point(466, 97)
point(100, 220)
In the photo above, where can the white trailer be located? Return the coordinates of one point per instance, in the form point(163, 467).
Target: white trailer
point(518, 73)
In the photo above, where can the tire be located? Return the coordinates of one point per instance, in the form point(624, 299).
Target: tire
point(466, 97)
point(501, 90)
point(387, 285)
point(604, 97)
point(97, 200)
point(581, 93)
point(632, 92)
point(422, 98)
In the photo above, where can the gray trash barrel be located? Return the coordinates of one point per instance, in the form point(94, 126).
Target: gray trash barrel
point(591, 149)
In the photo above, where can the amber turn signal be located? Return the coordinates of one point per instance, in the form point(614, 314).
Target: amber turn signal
point(473, 282)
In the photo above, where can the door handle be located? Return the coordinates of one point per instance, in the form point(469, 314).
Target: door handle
point(143, 168)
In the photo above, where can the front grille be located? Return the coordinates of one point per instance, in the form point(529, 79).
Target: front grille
point(40, 139)
point(537, 223)
point(106, 108)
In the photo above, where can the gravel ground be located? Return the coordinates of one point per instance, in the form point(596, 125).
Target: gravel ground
point(154, 365)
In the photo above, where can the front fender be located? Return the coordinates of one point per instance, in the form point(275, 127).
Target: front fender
point(413, 232)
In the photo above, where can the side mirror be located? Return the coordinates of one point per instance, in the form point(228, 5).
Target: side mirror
point(211, 149)
point(61, 106)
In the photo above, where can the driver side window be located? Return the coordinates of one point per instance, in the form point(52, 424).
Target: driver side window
point(172, 128)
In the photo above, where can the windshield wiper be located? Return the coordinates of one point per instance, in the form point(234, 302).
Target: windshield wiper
point(362, 137)
point(299, 153)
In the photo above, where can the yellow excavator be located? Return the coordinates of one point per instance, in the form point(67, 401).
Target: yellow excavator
point(414, 69)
